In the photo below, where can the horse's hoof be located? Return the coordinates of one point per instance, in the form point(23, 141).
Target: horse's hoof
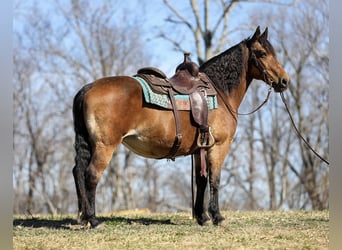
point(218, 221)
point(206, 223)
point(98, 225)
point(223, 223)
point(203, 220)
point(90, 223)
point(94, 223)
point(85, 225)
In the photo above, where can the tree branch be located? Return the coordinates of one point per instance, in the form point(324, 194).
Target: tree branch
point(174, 11)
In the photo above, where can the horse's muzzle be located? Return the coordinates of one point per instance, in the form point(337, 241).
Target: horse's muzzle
point(281, 85)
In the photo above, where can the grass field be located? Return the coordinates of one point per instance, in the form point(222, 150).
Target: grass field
point(144, 230)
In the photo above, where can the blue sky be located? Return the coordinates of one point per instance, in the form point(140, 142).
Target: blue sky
point(153, 13)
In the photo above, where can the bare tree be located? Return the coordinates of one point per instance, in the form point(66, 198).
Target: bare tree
point(207, 23)
point(302, 42)
point(310, 96)
point(267, 138)
point(209, 32)
point(30, 124)
point(86, 43)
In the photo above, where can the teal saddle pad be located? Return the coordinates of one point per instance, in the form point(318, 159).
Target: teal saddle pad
point(161, 100)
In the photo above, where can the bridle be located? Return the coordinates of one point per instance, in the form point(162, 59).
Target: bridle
point(260, 66)
point(266, 78)
point(269, 81)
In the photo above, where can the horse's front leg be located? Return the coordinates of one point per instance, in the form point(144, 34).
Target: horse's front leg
point(214, 182)
point(215, 161)
point(201, 184)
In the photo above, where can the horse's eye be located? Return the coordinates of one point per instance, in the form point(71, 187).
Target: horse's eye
point(260, 54)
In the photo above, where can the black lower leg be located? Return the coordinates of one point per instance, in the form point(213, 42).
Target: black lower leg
point(200, 213)
point(81, 192)
point(214, 209)
point(88, 213)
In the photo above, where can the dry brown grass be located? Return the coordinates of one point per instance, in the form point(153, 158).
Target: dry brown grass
point(144, 230)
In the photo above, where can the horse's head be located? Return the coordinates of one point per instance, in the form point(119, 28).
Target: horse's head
point(263, 63)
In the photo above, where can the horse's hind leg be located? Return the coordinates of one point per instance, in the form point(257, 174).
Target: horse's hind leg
point(78, 173)
point(82, 160)
point(86, 180)
point(201, 184)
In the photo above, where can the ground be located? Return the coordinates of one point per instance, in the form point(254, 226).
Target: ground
point(145, 230)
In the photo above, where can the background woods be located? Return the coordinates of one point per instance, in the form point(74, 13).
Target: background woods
point(61, 45)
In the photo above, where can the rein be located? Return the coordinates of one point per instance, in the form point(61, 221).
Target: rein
point(262, 69)
point(230, 109)
point(261, 105)
point(297, 131)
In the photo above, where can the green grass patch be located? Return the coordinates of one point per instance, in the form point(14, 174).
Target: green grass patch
point(241, 230)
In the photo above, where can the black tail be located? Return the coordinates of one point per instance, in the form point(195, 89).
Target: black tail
point(82, 144)
point(82, 148)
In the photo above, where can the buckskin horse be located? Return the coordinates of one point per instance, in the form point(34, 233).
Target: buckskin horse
point(112, 110)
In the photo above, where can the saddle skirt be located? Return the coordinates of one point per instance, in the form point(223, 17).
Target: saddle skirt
point(162, 99)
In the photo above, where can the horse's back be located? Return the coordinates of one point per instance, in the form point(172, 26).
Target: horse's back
point(119, 86)
point(112, 92)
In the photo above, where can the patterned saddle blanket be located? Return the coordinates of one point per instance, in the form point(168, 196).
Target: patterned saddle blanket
point(163, 100)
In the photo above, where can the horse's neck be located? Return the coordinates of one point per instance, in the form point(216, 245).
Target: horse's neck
point(232, 79)
point(236, 95)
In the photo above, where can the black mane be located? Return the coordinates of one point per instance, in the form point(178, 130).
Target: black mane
point(225, 69)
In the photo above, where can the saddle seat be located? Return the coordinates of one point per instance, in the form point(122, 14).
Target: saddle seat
point(186, 80)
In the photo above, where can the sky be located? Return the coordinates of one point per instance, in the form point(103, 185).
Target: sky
point(153, 14)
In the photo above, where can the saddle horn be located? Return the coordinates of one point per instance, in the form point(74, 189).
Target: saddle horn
point(191, 67)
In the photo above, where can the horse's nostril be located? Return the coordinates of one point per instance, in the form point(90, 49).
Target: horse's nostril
point(284, 82)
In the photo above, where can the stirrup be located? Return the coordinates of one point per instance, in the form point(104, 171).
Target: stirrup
point(207, 143)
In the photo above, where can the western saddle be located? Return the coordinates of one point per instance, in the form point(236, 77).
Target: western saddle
point(187, 81)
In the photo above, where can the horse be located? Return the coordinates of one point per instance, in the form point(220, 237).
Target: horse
point(112, 110)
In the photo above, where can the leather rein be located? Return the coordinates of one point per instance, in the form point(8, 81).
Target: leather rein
point(268, 80)
point(298, 132)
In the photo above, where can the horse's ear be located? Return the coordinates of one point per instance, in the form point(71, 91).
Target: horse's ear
point(256, 34)
point(265, 34)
